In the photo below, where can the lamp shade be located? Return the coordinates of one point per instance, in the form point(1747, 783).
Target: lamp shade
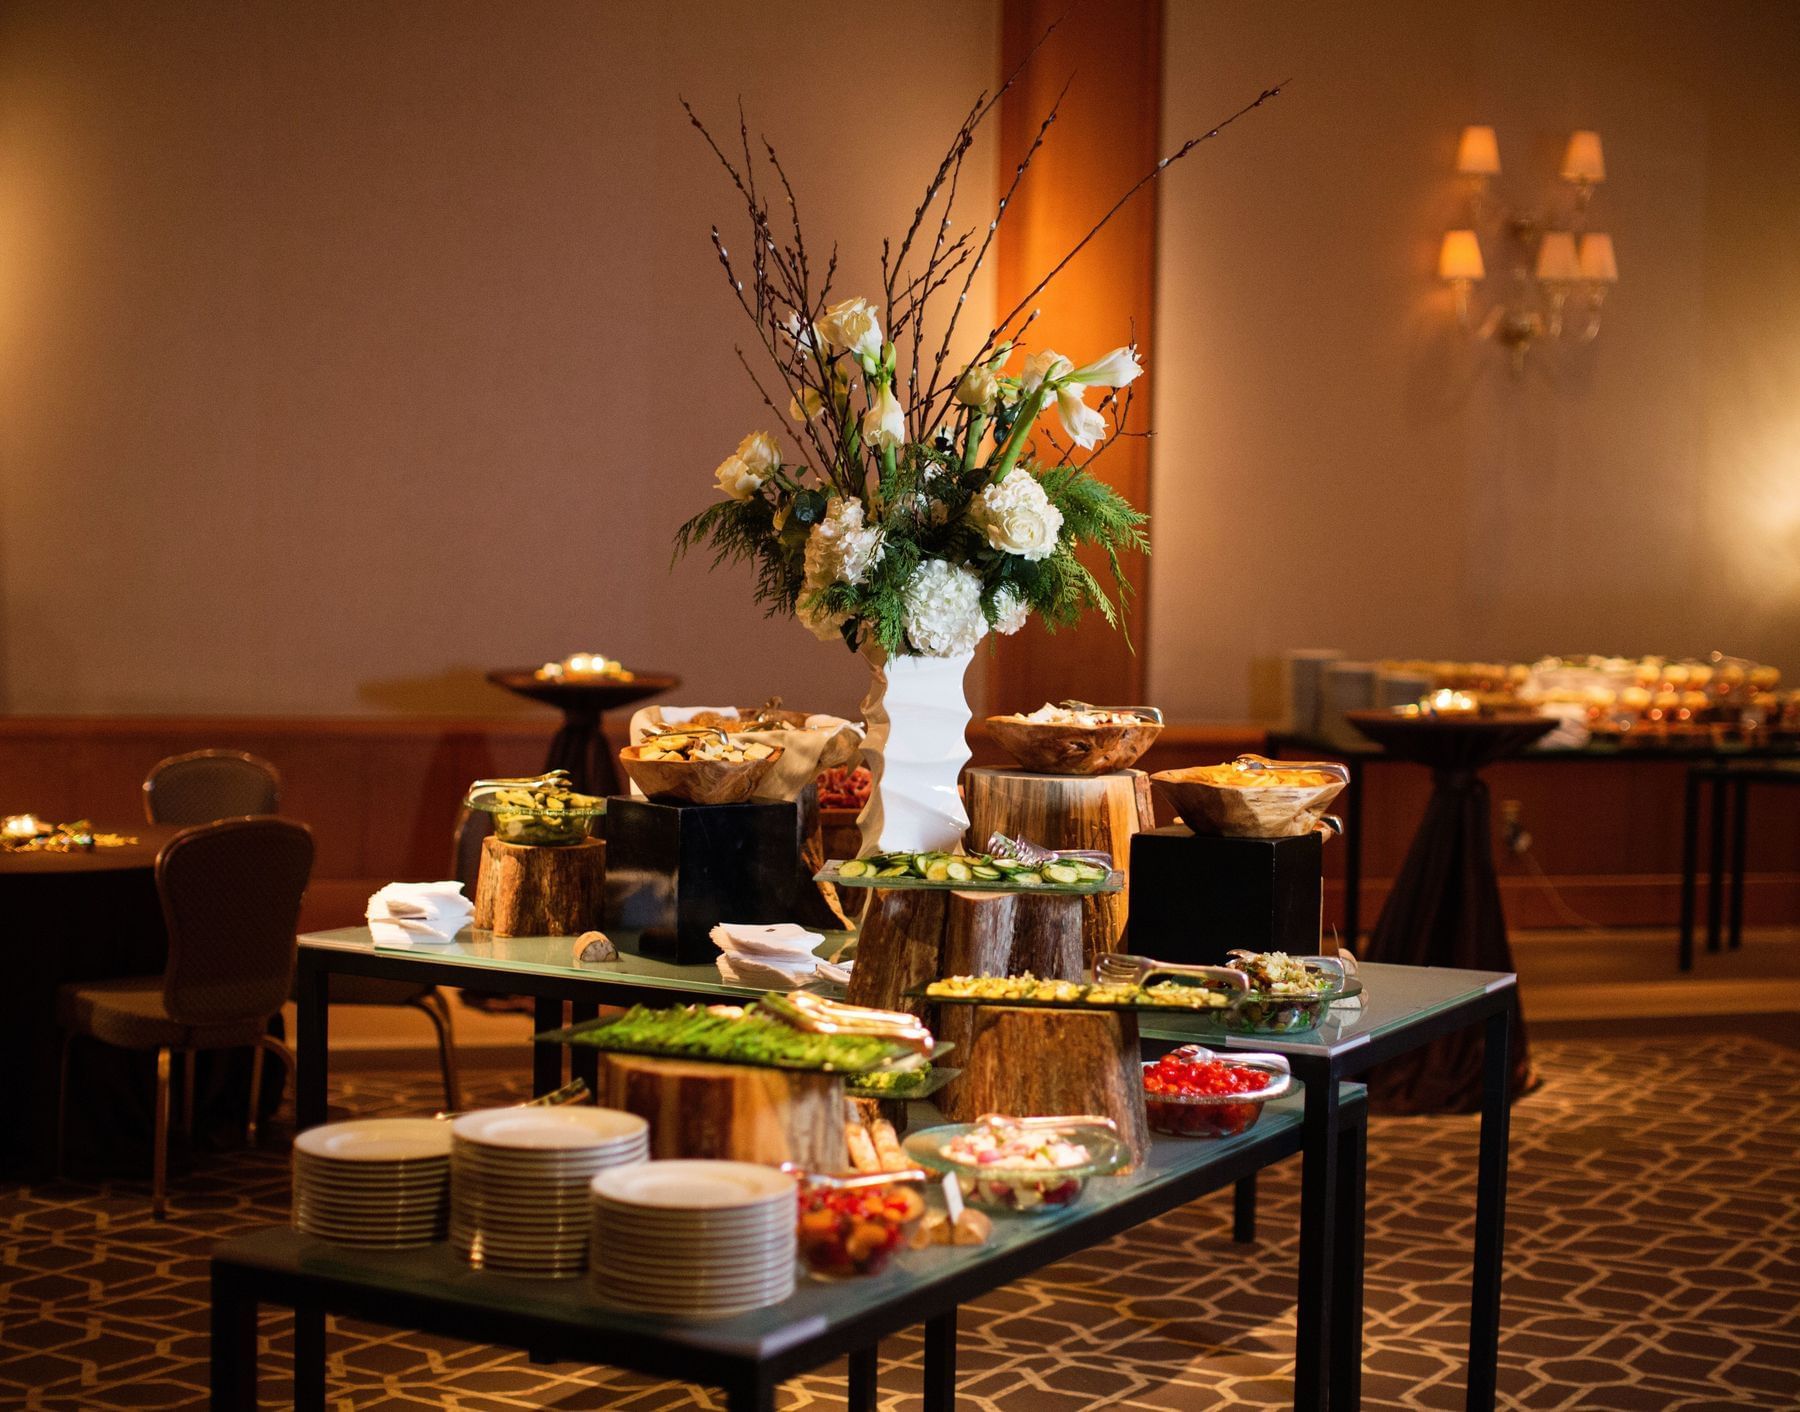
point(1478, 153)
point(1584, 160)
point(1459, 257)
point(1597, 263)
point(1556, 259)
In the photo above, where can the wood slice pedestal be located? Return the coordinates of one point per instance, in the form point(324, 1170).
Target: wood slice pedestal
point(1067, 811)
point(1048, 1063)
point(540, 891)
point(730, 1111)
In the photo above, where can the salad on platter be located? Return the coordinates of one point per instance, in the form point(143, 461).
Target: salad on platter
point(1028, 1165)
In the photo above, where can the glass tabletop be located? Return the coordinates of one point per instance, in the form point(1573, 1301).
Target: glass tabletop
point(1393, 997)
point(814, 1307)
point(557, 956)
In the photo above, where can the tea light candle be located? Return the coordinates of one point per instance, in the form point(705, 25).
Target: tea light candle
point(1448, 703)
point(20, 826)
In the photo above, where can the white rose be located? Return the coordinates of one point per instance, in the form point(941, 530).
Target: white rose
point(737, 478)
point(1117, 369)
point(1084, 425)
point(1017, 516)
point(759, 452)
point(1010, 610)
point(840, 548)
point(884, 424)
point(1039, 366)
point(852, 327)
point(942, 609)
point(978, 387)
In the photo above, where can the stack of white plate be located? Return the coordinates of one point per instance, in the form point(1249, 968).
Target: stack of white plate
point(694, 1237)
point(382, 1183)
point(519, 1179)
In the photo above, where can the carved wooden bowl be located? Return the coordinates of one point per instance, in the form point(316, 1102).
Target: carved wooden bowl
point(697, 781)
point(1050, 749)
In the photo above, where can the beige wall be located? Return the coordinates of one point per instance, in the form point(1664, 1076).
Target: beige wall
point(347, 349)
point(350, 348)
point(1335, 468)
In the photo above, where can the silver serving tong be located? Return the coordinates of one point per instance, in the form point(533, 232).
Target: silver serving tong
point(816, 1014)
point(548, 780)
point(562, 1097)
point(852, 1181)
point(1079, 1120)
point(1143, 713)
point(1036, 855)
point(664, 729)
point(1119, 968)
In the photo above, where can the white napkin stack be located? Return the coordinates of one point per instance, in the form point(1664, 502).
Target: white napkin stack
point(778, 957)
point(406, 914)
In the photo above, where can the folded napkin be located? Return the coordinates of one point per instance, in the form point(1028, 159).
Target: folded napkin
point(777, 957)
point(779, 939)
point(405, 914)
point(767, 973)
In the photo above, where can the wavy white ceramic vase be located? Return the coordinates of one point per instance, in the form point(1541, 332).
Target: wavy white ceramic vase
point(915, 747)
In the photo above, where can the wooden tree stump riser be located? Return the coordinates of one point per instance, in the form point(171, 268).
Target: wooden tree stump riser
point(531, 891)
point(730, 1111)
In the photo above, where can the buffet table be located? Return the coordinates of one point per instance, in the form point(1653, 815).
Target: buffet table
point(1403, 1008)
point(748, 1355)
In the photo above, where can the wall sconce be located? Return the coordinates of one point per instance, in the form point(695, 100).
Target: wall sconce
point(1551, 261)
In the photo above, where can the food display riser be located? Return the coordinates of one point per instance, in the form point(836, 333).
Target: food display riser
point(1195, 897)
point(675, 870)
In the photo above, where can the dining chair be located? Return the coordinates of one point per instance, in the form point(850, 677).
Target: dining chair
point(204, 785)
point(230, 893)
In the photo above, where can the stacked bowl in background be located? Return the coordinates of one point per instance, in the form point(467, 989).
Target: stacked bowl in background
point(378, 1183)
point(519, 1183)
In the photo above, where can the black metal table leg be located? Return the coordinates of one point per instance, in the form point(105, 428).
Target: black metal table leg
point(547, 1059)
point(1490, 1208)
point(233, 1353)
point(940, 1362)
point(1715, 894)
point(1243, 1211)
point(584, 1060)
point(1347, 1278)
point(1318, 1218)
point(865, 1366)
point(309, 1359)
point(312, 1039)
point(750, 1393)
point(1690, 866)
point(1740, 829)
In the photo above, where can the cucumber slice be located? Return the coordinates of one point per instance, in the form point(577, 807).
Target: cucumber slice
point(921, 865)
point(1091, 872)
point(1026, 878)
point(1061, 873)
point(855, 868)
point(937, 870)
point(958, 871)
point(987, 872)
point(1007, 865)
point(891, 872)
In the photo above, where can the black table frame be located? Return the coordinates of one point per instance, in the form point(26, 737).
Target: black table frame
point(1729, 783)
point(243, 1279)
point(1322, 1181)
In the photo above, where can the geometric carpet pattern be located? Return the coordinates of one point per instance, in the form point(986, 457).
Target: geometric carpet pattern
point(1653, 1265)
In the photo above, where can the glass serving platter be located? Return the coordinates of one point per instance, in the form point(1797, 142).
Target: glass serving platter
point(1114, 881)
point(594, 1034)
point(1025, 1190)
point(1203, 1001)
point(935, 1078)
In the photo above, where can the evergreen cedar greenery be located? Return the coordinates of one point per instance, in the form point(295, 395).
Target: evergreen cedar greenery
point(960, 426)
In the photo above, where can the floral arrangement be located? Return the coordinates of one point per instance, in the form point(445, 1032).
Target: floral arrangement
point(916, 515)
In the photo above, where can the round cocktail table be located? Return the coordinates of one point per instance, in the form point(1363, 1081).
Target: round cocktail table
point(580, 746)
point(1444, 909)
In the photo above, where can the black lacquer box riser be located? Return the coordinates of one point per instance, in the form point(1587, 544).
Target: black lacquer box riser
point(1195, 897)
point(674, 870)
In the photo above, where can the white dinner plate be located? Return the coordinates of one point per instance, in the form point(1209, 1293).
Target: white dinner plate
point(694, 1185)
point(554, 1129)
point(376, 1140)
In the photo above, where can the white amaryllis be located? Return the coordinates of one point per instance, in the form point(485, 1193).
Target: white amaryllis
point(737, 478)
point(840, 548)
point(1010, 610)
point(978, 387)
point(942, 609)
point(1084, 425)
point(1048, 365)
point(759, 452)
point(1118, 368)
point(1017, 517)
point(852, 327)
point(806, 404)
point(884, 424)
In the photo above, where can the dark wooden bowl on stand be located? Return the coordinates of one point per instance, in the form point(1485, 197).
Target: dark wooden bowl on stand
point(580, 745)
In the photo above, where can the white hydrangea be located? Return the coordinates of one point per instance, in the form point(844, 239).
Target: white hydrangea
point(943, 616)
point(1017, 516)
point(840, 548)
point(1010, 610)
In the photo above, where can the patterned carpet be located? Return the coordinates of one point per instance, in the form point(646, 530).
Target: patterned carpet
point(1653, 1264)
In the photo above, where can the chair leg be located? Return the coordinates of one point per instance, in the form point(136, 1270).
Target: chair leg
point(256, 1066)
point(159, 1205)
point(189, 1060)
point(434, 1006)
point(62, 1104)
point(281, 1052)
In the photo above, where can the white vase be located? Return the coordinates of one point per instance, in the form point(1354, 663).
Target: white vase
point(916, 716)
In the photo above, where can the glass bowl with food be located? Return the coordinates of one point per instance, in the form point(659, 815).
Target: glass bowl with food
point(1032, 1166)
point(1286, 993)
point(851, 1225)
point(540, 811)
point(1193, 1092)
